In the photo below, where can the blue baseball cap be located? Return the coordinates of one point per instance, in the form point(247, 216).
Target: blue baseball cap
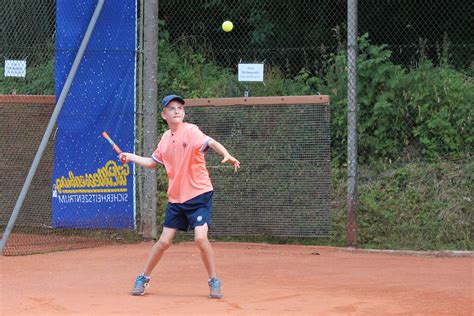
point(166, 100)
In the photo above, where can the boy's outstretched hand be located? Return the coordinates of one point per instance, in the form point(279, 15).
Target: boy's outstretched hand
point(230, 159)
point(218, 148)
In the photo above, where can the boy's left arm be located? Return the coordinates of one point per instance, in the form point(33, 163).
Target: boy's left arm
point(218, 148)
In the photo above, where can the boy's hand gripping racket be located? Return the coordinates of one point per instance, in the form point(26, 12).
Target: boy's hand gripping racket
point(114, 146)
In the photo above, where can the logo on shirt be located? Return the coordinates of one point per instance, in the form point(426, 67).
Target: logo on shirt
point(199, 218)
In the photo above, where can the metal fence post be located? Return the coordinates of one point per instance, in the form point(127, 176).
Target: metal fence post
point(352, 122)
point(150, 71)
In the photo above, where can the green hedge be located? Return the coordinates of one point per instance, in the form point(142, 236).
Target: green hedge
point(419, 206)
point(425, 112)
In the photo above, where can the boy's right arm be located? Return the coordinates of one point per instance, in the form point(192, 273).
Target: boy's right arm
point(145, 162)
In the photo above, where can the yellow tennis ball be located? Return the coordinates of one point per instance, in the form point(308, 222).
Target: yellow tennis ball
point(227, 26)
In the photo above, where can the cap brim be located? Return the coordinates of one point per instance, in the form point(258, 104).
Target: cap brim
point(174, 98)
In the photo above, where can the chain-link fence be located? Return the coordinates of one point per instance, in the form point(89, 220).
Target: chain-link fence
point(291, 35)
point(283, 188)
point(27, 34)
point(302, 34)
point(414, 66)
point(409, 98)
point(306, 41)
point(63, 186)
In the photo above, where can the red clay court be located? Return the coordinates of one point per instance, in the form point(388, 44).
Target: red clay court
point(258, 279)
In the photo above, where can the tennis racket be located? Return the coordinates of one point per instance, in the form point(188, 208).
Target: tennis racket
point(114, 146)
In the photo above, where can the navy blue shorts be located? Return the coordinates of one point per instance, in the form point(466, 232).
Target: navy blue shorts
point(192, 213)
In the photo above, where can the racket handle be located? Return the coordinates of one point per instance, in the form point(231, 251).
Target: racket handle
point(115, 147)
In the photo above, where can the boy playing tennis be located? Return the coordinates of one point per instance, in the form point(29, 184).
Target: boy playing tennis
point(181, 151)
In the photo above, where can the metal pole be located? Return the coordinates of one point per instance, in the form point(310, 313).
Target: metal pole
point(52, 122)
point(150, 74)
point(139, 133)
point(352, 122)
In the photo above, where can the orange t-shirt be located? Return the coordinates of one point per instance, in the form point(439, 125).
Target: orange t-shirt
point(182, 154)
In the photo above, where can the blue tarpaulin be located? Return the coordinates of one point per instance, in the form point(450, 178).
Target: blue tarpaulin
point(91, 187)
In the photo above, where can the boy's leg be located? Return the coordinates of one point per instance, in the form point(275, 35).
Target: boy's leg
point(207, 255)
point(165, 241)
point(154, 257)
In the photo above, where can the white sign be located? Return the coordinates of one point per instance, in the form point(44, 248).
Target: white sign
point(15, 68)
point(251, 72)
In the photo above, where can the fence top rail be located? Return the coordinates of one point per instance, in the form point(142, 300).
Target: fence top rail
point(281, 100)
point(27, 99)
point(275, 100)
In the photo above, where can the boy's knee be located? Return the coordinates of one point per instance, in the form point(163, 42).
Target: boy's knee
point(201, 240)
point(164, 244)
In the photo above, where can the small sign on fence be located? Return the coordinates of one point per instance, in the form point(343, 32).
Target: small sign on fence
point(15, 68)
point(251, 72)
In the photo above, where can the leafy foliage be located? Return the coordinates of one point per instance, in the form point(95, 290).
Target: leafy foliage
point(427, 110)
point(189, 72)
point(440, 101)
point(417, 206)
